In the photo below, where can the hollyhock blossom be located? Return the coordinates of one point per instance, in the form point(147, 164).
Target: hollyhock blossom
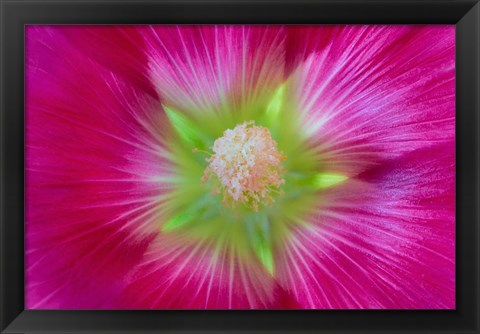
point(240, 167)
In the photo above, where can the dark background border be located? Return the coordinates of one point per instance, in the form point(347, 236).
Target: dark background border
point(15, 14)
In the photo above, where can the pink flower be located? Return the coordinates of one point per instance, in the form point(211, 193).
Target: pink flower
point(339, 195)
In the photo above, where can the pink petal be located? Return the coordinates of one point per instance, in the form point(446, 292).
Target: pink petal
point(211, 68)
point(384, 240)
point(91, 166)
point(180, 274)
point(373, 92)
point(119, 49)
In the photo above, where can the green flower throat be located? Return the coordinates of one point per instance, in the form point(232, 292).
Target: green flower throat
point(243, 178)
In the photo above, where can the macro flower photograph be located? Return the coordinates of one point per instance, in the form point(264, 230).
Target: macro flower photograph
point(240, 167)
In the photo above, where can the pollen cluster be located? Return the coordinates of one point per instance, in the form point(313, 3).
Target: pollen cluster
point(247, 165)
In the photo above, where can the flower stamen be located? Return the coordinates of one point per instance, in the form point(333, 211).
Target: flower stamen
point(247, 165)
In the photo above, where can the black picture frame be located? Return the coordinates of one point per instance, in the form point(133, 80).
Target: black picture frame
point(465, 14)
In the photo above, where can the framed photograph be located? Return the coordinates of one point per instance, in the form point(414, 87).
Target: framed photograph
point(240, 166)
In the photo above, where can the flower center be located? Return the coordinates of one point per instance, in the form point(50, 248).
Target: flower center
point(246, 165)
